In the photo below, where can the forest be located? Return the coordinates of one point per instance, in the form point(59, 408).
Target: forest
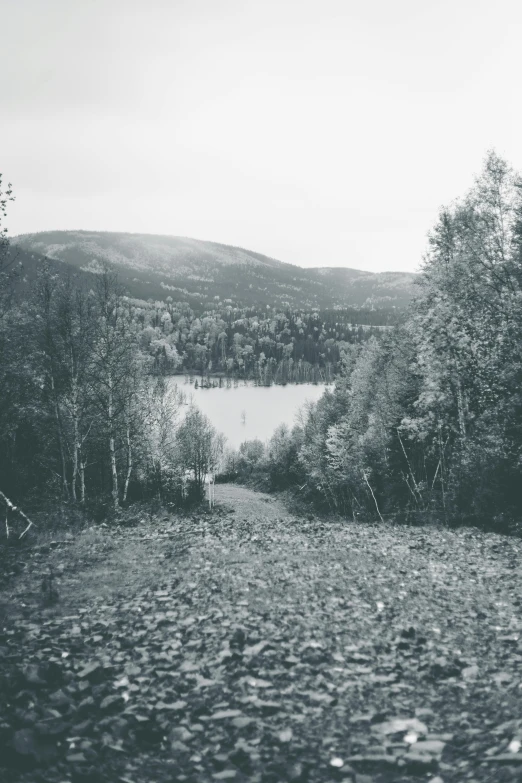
point(426, 421)
point(331, 627)
point(87, 414)
point(83, 416)
point(260, 392)
point(266, 346)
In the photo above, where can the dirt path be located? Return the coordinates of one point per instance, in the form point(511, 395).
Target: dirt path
point(253, 645)
point(245, 502)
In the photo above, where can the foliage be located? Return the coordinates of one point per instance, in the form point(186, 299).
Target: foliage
point(82, 415)
point(426, 421)
point(6, 263)
point(244, 463)
point(267, 345)
point(200, 447)
point(282, 456)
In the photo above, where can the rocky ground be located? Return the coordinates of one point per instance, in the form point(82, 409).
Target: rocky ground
point(253, 645)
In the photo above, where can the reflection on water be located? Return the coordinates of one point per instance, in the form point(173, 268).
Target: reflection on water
point(248, 412)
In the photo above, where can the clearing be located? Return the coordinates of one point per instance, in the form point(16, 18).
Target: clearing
point(254, 645)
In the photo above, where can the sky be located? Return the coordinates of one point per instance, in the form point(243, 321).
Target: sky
point(318, 132)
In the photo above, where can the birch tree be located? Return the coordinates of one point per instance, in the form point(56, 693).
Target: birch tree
point(113, 370)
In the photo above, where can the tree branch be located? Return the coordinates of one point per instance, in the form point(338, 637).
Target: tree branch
point(13, 508)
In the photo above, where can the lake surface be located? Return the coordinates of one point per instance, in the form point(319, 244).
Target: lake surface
point(247, 412)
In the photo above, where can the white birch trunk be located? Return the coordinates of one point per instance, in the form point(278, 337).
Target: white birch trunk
point(112, 445)
point(60, 438)
point(82, 481)
point(76, 436)
point(129, 465)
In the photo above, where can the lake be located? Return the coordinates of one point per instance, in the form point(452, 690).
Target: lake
point(247, 412)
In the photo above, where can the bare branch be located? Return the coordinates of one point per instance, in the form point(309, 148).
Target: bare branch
point(13, 508)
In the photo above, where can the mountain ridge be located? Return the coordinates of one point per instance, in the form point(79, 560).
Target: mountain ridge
point(159, 265)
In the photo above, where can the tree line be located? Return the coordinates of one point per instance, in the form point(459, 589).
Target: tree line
point(82, 414)
point(426, 422)
point(86, 409)
point(266, 346)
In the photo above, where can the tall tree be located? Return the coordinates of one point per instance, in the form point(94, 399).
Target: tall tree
point(114, 370)
point(200, 446)
point(75, 326)
point(47, 289)
point(6, 261)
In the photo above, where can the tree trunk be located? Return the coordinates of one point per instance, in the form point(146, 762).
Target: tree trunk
point(59, 429)
point(112, 446)
point(114, 472)
point(82, 480)
point(129, 465)
point(461, 410)
point(11, 507)
point(76, 436)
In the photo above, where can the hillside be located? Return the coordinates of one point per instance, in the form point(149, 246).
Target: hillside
point(217, 334)
point(198, 272)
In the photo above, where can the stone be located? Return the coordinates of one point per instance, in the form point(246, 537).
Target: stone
point(51, 728)
point(76, 758)
point(83, 728)
point(377, 760)
point(60, 699)
point(419, 762)
point(32, 674)
point(89, 670)
point(111, 702)
point(430, 747)
point(506, 758)
point(86, 704)
point(24, 742)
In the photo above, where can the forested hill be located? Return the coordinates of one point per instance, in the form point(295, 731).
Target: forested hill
point(269, 344)
point(200, 273)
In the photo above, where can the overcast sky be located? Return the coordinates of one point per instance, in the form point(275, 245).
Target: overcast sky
point(319, 132)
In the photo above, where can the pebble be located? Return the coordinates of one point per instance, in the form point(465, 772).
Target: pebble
point(110, 701)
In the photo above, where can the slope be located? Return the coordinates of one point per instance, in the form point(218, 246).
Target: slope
point(199, 272)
